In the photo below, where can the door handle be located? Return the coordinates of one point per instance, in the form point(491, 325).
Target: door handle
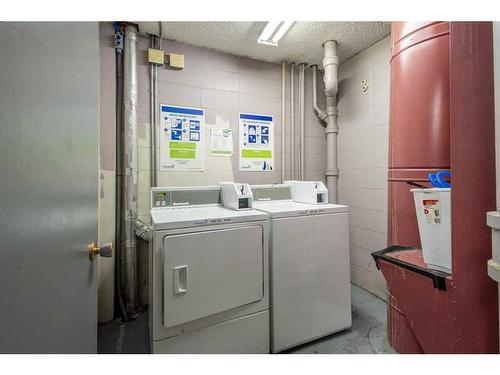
point(105, 250)
point(180, 279)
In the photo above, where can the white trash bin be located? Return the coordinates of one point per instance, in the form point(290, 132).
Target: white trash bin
point(433, 208)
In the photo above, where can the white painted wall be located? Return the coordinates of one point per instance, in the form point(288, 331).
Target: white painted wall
point(363, 158)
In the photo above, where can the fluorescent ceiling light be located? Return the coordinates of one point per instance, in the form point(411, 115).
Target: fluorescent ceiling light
point(274, 31)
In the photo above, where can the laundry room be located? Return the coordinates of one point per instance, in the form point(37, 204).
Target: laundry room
point(241, 105)
point(208, 184)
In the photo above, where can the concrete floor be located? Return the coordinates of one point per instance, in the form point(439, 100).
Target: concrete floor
point(127, 338)
point(367, 335)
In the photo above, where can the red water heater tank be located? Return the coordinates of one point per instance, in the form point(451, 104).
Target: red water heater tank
point(419, 129)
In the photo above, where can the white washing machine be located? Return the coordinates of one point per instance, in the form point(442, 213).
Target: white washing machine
point(309, 265)
point(208, 274)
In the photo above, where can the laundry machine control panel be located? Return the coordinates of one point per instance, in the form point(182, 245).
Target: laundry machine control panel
point(173, 197)
point(160, 199)
point(263, 193)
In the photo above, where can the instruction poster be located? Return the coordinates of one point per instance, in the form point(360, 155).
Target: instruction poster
point(221, 142)
point(256, 142)
point(182, 146)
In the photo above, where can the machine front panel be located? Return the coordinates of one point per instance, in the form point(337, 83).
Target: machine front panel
point(310, 278)
point(208, 272)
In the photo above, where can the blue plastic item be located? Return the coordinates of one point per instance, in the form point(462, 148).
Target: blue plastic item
point(444, 183)
point(437, 179)
point(433, 179)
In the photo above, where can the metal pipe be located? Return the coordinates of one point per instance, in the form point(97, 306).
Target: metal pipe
point(131, 161)
point(141, 229)
point(302, 122)
point(154, 140)
point(283, 114)
point(299, 138)
point(120, 304)
point(152, 116)
point(158, 43)
point(160, 36)
point(292, 121)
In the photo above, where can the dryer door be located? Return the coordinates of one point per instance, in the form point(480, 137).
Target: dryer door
point(209, 272)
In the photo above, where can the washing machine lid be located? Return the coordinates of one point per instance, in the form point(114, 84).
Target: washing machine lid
point(170, 218)
point(290, 208)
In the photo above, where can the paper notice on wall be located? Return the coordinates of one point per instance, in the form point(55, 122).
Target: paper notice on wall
point(221, 142)
point(181, 138)
point(256, 141)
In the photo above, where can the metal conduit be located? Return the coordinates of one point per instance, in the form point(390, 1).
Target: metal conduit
point(131, 162)
point(292, 121)
point(283, 114)
point(120, 304)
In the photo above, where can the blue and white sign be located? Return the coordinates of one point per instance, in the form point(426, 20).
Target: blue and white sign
point(181, 138)
point(256, 142)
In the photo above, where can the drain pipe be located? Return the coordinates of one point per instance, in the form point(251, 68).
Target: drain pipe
point(131, 162)
point(329, 117)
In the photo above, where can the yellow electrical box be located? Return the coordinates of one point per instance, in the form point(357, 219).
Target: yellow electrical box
point(176, 61)
point(155, 56)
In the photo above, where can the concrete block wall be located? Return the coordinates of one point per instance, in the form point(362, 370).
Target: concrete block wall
point(223, 85)
point(363, 158)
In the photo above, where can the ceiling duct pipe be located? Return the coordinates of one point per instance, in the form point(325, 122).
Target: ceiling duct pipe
point(130, 162)
point(329, 117)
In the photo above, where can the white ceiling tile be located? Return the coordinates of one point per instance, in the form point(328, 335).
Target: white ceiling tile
point(302, 43)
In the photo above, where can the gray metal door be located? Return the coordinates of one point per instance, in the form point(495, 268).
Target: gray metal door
point(49, 80)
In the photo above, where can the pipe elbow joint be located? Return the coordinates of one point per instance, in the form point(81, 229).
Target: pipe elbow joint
point(332, 91)
point(330, 77)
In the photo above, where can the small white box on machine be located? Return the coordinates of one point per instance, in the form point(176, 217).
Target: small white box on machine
point(312, 192)
point(236, 195)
